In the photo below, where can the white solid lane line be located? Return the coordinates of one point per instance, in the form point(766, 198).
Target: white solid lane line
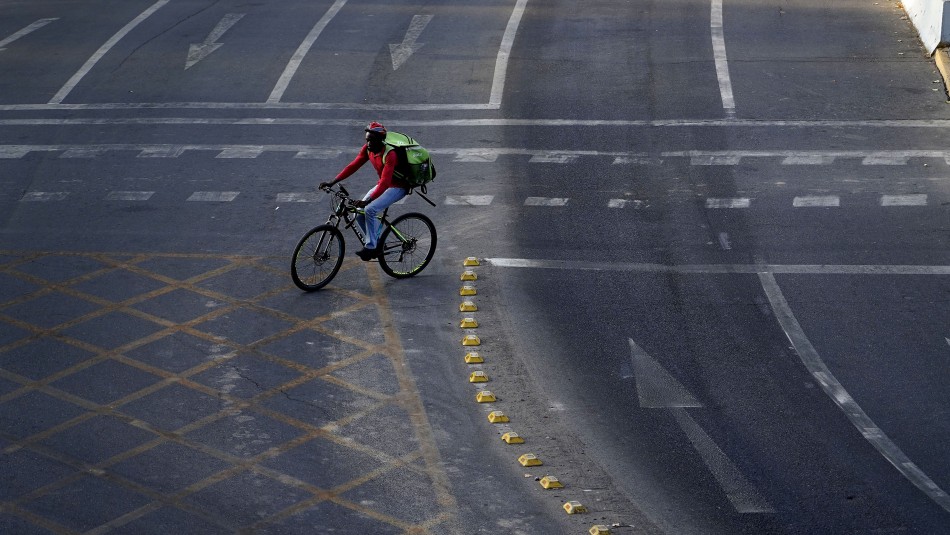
point(504, 51)
point(25, 31)
point(816, 366)
point(803, 269)
point(291, 69)
point(722, 65)
point(103, 50)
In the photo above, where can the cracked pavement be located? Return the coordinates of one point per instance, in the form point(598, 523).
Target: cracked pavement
point(205, 393)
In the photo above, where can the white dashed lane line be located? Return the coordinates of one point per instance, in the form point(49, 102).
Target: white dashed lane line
point(712, 203)
point(489, 155)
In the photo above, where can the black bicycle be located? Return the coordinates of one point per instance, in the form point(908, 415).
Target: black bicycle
point(406, 244)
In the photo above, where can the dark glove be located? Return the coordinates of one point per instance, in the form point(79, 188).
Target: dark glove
point(325, 185)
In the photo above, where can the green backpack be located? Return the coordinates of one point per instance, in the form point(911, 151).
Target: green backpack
point(415, 165)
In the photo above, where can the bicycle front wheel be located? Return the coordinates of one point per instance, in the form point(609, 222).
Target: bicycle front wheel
point(408, 244)
point(317, 258)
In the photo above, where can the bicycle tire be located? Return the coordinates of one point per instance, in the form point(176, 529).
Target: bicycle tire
point(317, 258)
point(408, 244)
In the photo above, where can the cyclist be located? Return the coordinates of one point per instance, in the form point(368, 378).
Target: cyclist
point(388, 190)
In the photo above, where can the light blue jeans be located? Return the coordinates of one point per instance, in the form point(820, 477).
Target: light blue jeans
point(370, 221)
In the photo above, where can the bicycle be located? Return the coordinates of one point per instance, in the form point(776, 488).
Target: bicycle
point(406, 244)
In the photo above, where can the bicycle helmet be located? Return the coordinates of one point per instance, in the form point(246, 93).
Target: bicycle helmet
point(375, 135)
point(376, 128)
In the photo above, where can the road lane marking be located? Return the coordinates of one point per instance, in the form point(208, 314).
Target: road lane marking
point(162, 151)
point(816, 201)
point(658, 389)
point(722, 65)
point(199, 51)
point(916, 199)
point(469, 200)
point(25, 31)
point(806, 156)
point(553, 157)
point(103, 50)
point(545, 201)
point(808, 159)
point(715, 159)
point(241, 152)
point(43, 196)
point(885, 158)
point(400, 52)
point(504, 52)
point(129, 195)
point(80, 152)
point(741, 493)
point(298, 197)
point(836, 391)
point(803, 269)
point(291, 69)
point(724, 241)
point(741, 202)
point(214, 196)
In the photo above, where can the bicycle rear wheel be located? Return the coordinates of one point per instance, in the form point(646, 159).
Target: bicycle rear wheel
point(408, 244)
point(317, 258)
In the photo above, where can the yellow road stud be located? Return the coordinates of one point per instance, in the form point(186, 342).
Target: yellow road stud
point(485, 396)
point(471, 340)
point(574, 508)
point(469, 275)
point(551, 482)
point(468, 323)
point(467, 306)
point(599, 529)
point(472, 357)
point(467, 289)
point(470, 261)
point(497, 417)
point(478, 377)
point(529, 459)
point(512, 438)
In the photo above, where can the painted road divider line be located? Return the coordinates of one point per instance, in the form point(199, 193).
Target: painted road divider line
point(803, 269)
point(291, 69)
point(835, 390)
point(103, 50)
point(728, 203)
point(25, 31)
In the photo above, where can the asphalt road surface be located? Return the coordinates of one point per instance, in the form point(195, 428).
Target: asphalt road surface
point(713, 243)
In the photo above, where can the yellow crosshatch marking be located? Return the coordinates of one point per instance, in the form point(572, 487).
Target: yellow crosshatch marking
point(207, 390)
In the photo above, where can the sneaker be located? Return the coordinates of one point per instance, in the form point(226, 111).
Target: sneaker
point(366, 254)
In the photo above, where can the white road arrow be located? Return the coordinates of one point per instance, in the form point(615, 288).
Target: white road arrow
point(199, 51)
point(402, 51)
point(29, 29)
point(658, 389)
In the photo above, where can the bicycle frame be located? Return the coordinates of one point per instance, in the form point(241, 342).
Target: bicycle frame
point(319, 254)
point(345, 213)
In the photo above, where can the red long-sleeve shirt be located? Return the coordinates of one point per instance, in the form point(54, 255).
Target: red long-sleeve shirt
point(383, 169)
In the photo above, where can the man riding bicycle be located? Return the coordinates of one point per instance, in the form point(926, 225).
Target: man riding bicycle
point(390, 188)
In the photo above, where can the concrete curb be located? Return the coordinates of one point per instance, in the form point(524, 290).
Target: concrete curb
point(942, 58)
